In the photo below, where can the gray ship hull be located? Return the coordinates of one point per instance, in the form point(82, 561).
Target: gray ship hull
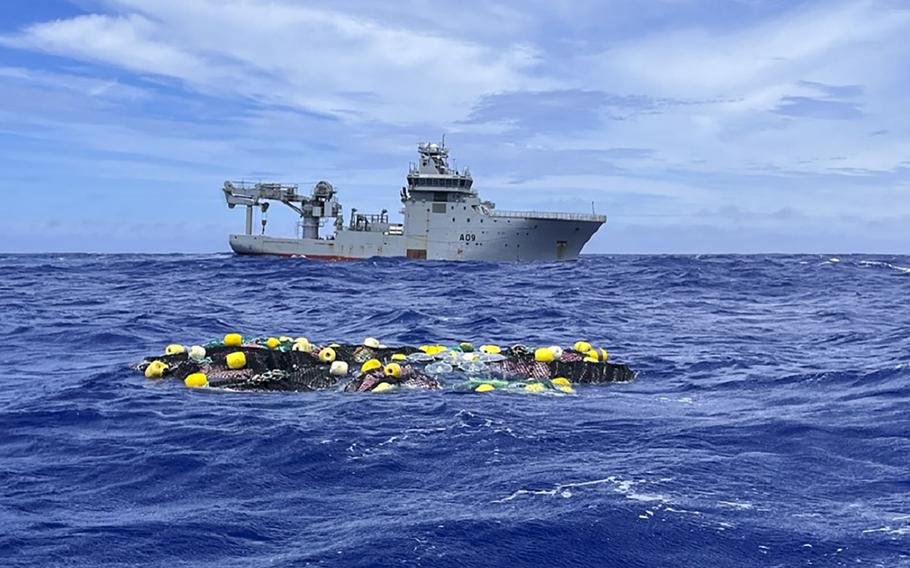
point(502, 238)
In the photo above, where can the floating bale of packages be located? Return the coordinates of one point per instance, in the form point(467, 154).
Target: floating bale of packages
point(288, 364)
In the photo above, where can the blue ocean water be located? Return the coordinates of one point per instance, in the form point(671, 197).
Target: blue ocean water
point(768, 425)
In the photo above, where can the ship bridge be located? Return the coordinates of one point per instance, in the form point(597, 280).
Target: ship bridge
point(433, 174)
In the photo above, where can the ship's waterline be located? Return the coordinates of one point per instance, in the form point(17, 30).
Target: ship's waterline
point(444, 219)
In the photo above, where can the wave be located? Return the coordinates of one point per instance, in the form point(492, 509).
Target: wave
point(767, 424)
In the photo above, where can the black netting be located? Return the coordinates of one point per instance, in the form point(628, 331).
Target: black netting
point(281, 370)
point(591, 373)
point(410, 376)
point(305, 379)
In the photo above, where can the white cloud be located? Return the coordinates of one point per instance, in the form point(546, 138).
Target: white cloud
point(284, 53)
point(738, 77)
point(746, 62)
point(122, 41)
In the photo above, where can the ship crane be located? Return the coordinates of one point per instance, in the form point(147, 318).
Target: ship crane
point(313, 209)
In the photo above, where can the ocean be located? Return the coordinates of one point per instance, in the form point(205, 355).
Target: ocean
point(769, 424)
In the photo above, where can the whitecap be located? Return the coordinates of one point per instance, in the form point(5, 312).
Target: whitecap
point(735, 505)
point(669, 509)
point(624, 487)
point(889, 530)
point(881, 264)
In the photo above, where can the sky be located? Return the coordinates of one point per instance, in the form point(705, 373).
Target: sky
point(696, 126)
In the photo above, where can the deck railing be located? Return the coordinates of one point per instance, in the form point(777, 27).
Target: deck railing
point(593, 217)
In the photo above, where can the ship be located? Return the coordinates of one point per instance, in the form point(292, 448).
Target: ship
point(444, 218)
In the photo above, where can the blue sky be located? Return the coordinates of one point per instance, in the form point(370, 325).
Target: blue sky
point(695, 125)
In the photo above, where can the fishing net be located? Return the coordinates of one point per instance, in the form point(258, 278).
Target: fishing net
point(272, 365)
point(521, 366)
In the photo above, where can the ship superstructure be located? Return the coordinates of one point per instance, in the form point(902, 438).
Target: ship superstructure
point(444, 219)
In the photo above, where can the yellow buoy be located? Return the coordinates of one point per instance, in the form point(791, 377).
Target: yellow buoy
point(593, 354)
point(561, 381)
point(582, 346)
point(543, 355)
point(399, 357)
point(301, 339)
point(338, 368)
point(535, 387)
point(302, 346)
point(236, 360)
point(233, 340)
point(272, 343)
point(383, 387)
point(371, 342)
point(174, 348)
point(485, 387)
point(491, 349)
point(327, 355)
point(197, 352)
point(196, 380)
point(155, 370)
point(370, 365)
point(590, 360)
point(432, 349)
point(392, 370)
point(334, 345)
point(285, 339)
point(604, 355)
